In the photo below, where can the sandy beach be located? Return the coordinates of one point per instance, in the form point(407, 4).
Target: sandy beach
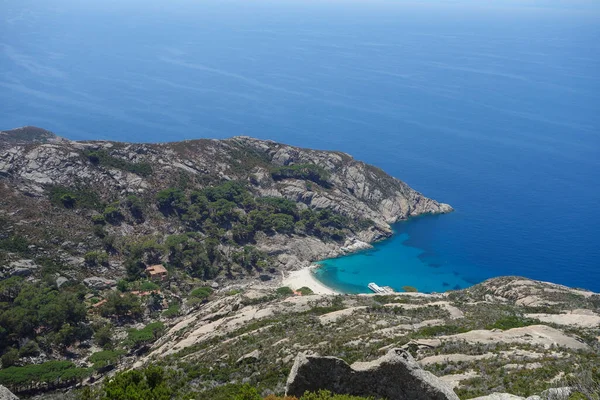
point(304, 277)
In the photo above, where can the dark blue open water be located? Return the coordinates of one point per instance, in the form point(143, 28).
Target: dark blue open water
point(493, 107)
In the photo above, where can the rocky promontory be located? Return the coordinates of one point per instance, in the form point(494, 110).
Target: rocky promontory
point(60, 194)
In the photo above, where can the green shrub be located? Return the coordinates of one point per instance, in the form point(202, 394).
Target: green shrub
point(80, 197)
point(148, 334)
point(201, 292)
point(30, 348)
point(102, 157)
point(95, 258)
point(172, 312)
point(247, 392)
point(113, 215)
point(148, 286)
point(68, 200)
point(327, 395)
point(135, 206)
point(309, 172)
point(284, 291)
point(147, 384)
point(106, 357)
point(305, 291)
point(103, 336)
point(410, 289)
point(229, 391)
point(511, 321)
point(171, 201)
point(15, 244)
point(440, 330)
point(26, 307)
point(98, 219)
point(48, 372)
point(120, 305)
point(10, 358)
point(122, 285)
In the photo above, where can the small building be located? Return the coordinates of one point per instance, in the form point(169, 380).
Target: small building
point(157, 272)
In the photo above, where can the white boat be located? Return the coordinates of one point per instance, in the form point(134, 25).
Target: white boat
point(378, 289)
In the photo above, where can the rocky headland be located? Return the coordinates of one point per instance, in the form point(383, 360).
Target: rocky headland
point(37, 168)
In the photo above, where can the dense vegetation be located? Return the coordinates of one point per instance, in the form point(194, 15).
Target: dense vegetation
point(230, 206)
point(52, 373)
point(38, 315)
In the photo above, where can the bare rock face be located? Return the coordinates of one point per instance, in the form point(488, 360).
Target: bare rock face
point(6, 394)
point(395, 376)
point(96, 282)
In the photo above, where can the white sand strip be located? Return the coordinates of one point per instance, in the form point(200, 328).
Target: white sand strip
point(305, 277)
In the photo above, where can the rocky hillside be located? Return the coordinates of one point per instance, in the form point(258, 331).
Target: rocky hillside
point(508, 338)
point(506, 335)
point(69, 198)
point(80, 223)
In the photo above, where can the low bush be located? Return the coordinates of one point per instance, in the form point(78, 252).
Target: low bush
point(201, 292)
point(310, 172)
point(172, 312)
point(106, 357)
point(95, 258)
point(148, 334)
point(284, 291)
point(440, 330)
point(511, 321)
point(78, 197)
point(305, 291)
point(102, 157)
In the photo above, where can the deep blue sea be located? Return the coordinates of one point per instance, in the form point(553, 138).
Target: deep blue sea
point(491, 106)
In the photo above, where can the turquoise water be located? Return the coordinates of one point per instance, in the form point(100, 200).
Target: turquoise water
point(397, 263)
point(490, 106)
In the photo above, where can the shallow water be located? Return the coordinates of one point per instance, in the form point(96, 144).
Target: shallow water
point(398, 262)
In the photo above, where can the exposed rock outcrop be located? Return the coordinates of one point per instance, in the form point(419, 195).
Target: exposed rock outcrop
point(96, 282)
point(6, 394)
point(249, 358)
point(499, 396)
point(395, 376)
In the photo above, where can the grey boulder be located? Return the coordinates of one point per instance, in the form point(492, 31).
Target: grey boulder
point(395, 376)
point(6, 394)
